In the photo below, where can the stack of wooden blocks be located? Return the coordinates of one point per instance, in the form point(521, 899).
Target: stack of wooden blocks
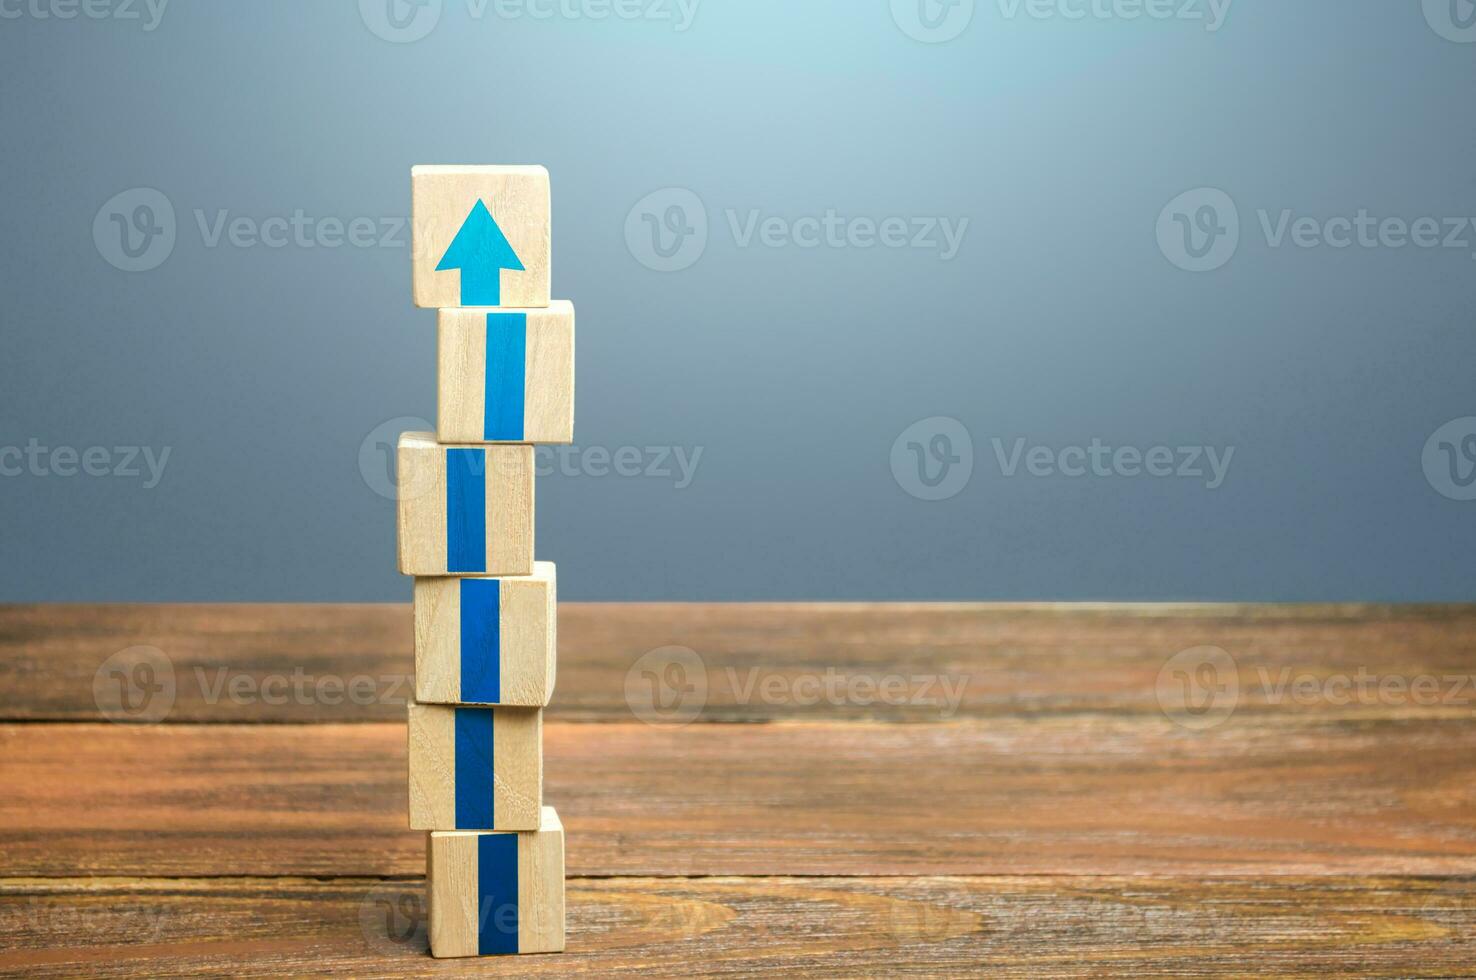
point(485, 623)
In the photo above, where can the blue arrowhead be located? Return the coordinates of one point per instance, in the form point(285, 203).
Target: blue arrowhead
point(481, 251)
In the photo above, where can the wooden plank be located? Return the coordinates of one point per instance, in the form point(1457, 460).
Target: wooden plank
point(1083, 795)
point(287, 663)
point(862, 927)
point(56, 660)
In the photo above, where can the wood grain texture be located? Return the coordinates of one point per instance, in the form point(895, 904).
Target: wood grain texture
point(507, 475)
point(1077, 795)
point(516, 763)
point(542, 878)
point(850, 927)
point(457, 907)
point(527, 639)
point(450, 896)
point(548, 375)
point(441, 197)
point(1024, 661)
point(1085, 827)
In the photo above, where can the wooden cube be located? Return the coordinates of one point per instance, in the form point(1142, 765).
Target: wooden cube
point(479, 236)
point(475, 768)
point(464, 510)
point(506, 375)
point(486, 640)
point(497, 893)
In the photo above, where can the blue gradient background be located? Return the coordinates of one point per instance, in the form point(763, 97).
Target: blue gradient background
point(794, 369)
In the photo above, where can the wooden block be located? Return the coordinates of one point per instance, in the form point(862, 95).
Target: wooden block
point(497, 893)
point(487, 640)
point(464, 510)
point(475, 768)
point(506, 375)
point(480, 236)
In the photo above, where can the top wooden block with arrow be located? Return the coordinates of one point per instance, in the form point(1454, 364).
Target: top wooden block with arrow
point(480, 236)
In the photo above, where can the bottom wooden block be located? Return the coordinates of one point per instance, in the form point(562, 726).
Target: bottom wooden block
point(493, 893)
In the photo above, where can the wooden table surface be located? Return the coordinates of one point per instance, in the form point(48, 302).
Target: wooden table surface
point(862, 790)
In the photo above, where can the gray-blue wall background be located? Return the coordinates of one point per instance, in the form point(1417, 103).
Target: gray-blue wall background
point(1157, 194)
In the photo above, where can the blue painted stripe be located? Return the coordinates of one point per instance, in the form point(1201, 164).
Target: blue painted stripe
point(481, 640)
point(507, 365)
point(475, 774)
point(466, 510)
point(497, 890)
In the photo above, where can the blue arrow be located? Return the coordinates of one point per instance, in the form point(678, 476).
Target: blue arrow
point(481, 251)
